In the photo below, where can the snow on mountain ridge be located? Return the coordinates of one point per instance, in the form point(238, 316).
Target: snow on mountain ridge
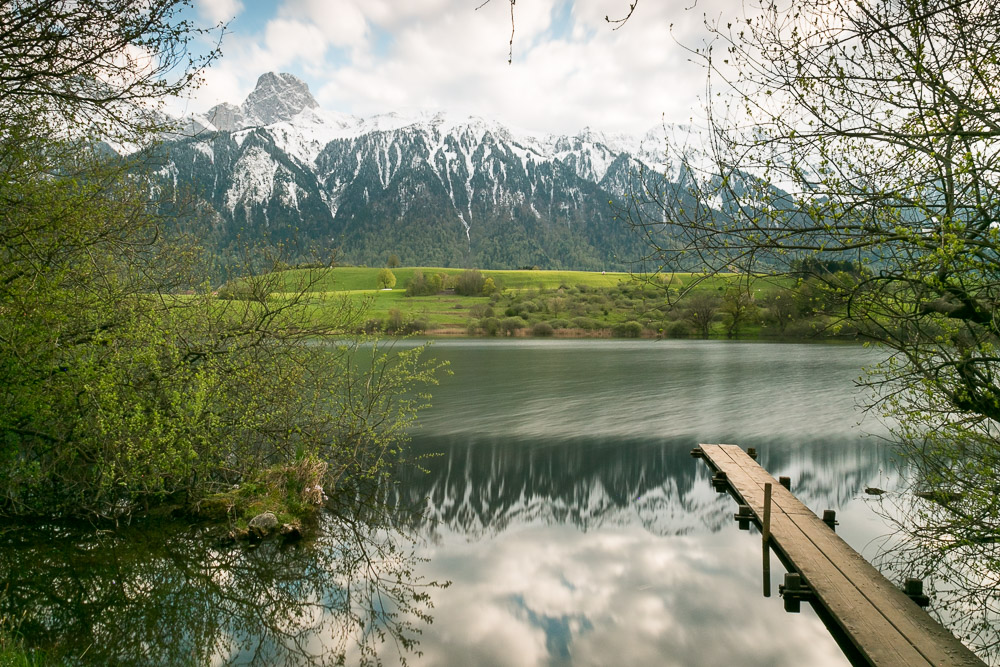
point(253, 179)
point(282, 105)
point(422, 180)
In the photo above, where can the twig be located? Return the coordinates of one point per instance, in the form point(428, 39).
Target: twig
point(620, 22)
point(510, 51)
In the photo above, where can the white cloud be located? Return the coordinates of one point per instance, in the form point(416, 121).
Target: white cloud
point(218, 11)
point(286, 41)
point(609, 595)
point(570, 68)
point(341, 22)
point(221, 85)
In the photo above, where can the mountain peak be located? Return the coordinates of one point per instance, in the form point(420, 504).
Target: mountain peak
point(277, 97)
point(226, 117)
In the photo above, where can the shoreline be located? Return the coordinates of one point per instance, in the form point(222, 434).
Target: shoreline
point(606, 334)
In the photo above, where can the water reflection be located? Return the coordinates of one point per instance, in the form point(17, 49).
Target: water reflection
point(565, 506)
point(170, 595)
point(561, 501)
point(485, 486)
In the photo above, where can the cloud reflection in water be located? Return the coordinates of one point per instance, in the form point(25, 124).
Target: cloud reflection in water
point(576, 528)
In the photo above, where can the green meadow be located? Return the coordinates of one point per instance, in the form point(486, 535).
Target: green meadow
point(574, 303)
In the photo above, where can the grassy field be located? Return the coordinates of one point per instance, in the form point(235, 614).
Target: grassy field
point(561, 303)
point(360, 279)
point(445, 312)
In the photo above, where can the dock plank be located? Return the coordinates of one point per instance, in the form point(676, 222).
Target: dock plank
point(885, 626)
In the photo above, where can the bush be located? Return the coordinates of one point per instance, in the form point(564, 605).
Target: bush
point(679, 329)
point(559, 323)
point(490, 326)
point(585, 323)
point(470, 283)
point(813, 327)
point(630, 329)
point(414, 326)
point(481, 310)
point(421, 285)
point(394, 323)
point(541, 329)
point(509, 325)
point(235, 291)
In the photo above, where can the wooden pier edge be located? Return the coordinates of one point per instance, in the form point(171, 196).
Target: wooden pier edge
point(884, 626)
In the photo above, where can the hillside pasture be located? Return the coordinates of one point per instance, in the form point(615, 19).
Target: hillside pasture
point(568, 303)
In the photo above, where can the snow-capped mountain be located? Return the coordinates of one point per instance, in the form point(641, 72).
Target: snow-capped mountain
point(432, 188)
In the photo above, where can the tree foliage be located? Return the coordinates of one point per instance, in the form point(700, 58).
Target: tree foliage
point(421, 285)
point(470, 283)
point(103, 67)
point(124, 382)
point(867, 133)
point(386, 279)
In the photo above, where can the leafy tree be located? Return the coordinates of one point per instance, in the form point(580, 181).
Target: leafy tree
point(124, 382)
point(738, 308)
point(101, 68)
point(779, 309)
point(867, 133)
point(700, 310)
point(392, 262)
point(386, 279)
point(470, 283)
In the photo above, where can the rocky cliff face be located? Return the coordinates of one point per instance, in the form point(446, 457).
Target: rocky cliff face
point(434, 189)
point(277, 97)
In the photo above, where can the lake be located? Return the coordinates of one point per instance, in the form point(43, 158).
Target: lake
point(557, 496)
point(575, 526)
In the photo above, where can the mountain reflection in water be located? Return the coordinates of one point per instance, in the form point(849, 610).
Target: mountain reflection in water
point(576, 529)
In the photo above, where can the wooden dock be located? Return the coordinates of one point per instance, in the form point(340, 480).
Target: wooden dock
point(885, 626)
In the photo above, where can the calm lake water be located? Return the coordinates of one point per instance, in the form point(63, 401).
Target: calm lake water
point(559, 499)
point(575, 526)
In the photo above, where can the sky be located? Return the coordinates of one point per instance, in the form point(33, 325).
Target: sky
point(570, 68)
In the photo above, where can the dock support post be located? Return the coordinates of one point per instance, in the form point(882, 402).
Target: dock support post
point(914, 589)
point(785, 482)
point(830, 519)
point(744, 516)
point(720, 481)
point(765, 529)
point(765, 539)
point(794, 591)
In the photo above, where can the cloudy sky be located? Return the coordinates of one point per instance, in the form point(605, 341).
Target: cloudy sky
point(570, 69)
